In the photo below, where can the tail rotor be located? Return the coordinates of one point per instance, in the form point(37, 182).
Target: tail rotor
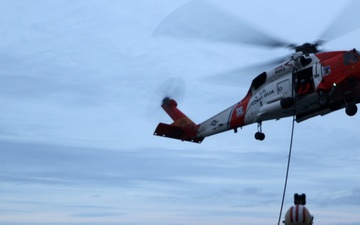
point(171, 88)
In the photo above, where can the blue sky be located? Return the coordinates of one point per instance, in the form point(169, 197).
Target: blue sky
point(77, 79)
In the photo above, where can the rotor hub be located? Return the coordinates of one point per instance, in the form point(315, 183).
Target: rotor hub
point(307, 48)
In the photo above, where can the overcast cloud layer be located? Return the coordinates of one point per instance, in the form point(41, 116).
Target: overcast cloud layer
point(76, 143)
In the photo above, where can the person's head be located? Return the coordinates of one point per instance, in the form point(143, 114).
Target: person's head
point(300, 199)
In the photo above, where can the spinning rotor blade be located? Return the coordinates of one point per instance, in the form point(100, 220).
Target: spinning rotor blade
point(244, 75)
point(200, 20)
point(170, 88)
point(346, 22)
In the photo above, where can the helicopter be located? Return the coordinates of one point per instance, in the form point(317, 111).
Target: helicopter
point(308, 83)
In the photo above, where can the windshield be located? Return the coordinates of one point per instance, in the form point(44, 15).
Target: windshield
point(351, 57)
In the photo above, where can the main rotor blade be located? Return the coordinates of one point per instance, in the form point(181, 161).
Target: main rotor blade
point(201, 20)
point(244, 75)
point(346, 22)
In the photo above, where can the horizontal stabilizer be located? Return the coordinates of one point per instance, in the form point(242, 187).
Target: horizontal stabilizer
point(177, 132)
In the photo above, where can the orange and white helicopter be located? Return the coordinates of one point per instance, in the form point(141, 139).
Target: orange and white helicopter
point(308, 83)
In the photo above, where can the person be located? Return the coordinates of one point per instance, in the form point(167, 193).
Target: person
point(298, 214)
point(304, 87)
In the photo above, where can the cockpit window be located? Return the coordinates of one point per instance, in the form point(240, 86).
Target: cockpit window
point(350, 57)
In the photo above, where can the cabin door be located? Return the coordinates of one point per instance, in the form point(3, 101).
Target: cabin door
point(317, 74)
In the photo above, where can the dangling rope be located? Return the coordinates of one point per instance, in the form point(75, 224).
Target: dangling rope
point(287, 169)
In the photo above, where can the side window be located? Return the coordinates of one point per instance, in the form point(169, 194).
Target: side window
point(350, 58)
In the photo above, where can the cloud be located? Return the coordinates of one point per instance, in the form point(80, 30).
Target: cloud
point(48, 177)
point(75, 147)
point(209, 179)
point(345, 198)
point(44, 80)
point(96, 214)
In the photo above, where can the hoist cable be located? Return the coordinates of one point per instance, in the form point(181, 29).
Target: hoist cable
point(294, 96)
point(287, 169)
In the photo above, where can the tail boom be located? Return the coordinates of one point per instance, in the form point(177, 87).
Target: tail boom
point(182, 128)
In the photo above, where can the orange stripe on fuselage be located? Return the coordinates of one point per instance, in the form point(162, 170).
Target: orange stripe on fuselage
point(237, 117)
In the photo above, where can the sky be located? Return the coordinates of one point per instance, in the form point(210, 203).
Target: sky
point(78, 79)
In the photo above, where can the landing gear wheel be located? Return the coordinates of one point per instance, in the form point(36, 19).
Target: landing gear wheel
point(259, 136)
point(323, 99)
point(351, 110)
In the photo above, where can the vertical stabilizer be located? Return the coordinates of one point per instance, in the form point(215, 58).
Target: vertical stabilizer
point(182, 128)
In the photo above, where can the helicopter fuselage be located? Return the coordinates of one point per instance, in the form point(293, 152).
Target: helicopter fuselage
point(304, 86)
